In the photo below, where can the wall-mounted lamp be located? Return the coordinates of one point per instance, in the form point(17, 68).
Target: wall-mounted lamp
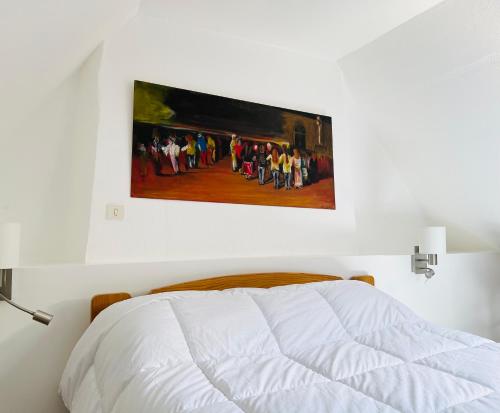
point(10, 240)
point(432, 244)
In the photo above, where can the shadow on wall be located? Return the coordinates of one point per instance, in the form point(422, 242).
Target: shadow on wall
point(457, 232)
point(33, 359)
point(386, 231)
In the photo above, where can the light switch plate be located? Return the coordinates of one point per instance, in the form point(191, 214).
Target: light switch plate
point(115, 212)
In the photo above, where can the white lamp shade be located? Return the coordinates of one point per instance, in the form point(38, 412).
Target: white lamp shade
point(433, 240)
point(10, 241)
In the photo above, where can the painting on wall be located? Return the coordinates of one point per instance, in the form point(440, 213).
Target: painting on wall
point(194, 146)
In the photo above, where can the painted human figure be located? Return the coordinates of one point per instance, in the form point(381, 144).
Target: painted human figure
point(274, 159)
point(190, 150)
point(182, 158)
point(201, 145)
point(156, 151)
point(286, 165)
point(305, 169)
point(238, 150)
point(232, 149)
point(313, 168)
point(171, 151)
point(297, 169)
point(261, 164)
point(143, 159)
point(210, 150)
point(248, 161)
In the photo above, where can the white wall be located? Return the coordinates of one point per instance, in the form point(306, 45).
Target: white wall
point(388, 218)
point(35, 159)
point(32, 356)
point(47, 170)
point(80, 147)
point(153, 230)
point(147, 49)
point(47, 96)
point(431, 96)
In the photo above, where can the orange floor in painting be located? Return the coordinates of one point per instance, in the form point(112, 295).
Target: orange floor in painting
point(219, 184)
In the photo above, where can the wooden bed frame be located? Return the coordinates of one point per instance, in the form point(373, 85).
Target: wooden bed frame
point(266, 280)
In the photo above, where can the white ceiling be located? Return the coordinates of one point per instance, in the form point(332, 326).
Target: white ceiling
point(431, 94)
point(43, 42)
point(324, 28)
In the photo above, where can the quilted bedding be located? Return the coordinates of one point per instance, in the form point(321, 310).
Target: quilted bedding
point(339, 346)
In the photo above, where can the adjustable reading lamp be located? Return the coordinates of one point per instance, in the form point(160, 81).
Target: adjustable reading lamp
point(432, 244)
point(10, 233)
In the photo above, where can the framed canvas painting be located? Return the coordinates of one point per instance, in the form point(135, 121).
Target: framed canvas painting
point(193, 146)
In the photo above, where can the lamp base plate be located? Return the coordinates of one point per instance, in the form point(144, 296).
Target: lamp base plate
point(6, 283)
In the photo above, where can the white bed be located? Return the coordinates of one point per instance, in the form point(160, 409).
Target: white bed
point(338, 346)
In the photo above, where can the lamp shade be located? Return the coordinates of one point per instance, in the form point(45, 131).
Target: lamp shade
point(433, 240)
point(10, 241)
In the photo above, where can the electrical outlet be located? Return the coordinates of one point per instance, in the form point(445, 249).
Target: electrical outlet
point(115, 212)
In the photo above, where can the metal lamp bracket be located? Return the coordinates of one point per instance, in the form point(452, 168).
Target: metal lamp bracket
point(6, 295)
point(420, 263)
point(6, 283)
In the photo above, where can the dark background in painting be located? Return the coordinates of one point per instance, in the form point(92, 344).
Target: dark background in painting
point(238, 116)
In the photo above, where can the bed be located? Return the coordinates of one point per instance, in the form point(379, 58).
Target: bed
point(275, 343)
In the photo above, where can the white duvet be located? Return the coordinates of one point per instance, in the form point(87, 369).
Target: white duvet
point(339, 346)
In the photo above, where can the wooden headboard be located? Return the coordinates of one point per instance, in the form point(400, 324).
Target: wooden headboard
point(266, 280)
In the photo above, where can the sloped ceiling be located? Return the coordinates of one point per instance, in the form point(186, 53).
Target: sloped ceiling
point(43, 43)
point(323, 28)
point(430, 91)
